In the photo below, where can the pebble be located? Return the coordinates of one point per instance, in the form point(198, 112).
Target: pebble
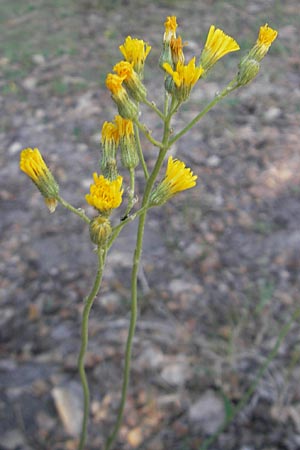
point(272, 114)
point(176, 373)
point(14, 148)
point(213, 161)
point(38, 59)
point(68, 403)
point(207, 413)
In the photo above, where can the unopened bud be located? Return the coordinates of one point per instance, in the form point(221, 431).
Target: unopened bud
point(100, 230)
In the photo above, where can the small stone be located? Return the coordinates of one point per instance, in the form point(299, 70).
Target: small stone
point(151, 358)
point(213, 161)
point(176, 373)
point(135, 437)
point(38, 59)
point(68, 403)
point(178, 286)
point(14, 148)
point(207, 413)
point(272, 114)
point(30, 83)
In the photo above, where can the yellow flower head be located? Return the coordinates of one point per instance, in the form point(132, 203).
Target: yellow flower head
point(184, 77)
point(105, 195)
point(170, 28)
point(178, 178)
point(177, 45)
point(132, 81)
point(249, 65)
point(125, 106)
point(135, 51)
point(265, 38)
point(109, 134)
point(129, 155)
point(32, 163)
point(124, 127)
point(217, 45)
point(114, 84)
point(110, 142)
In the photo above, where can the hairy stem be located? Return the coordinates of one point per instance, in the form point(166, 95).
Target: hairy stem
point(134, 275)
point(84, 343)
point(74, 210)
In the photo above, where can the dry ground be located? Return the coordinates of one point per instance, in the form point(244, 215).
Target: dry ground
point(221, 262)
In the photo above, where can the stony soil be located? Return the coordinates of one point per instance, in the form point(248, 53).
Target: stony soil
point(221, 262)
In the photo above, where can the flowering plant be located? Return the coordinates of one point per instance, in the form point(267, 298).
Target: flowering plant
point(123, 134)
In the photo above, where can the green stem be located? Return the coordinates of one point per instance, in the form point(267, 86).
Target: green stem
point(134, 276)
point(84, 343)
point(130, 194)
point(199, 116)
point(140, 151)
point(147, 133)
point(71, 208)
point(244, 400)
point(155, 108)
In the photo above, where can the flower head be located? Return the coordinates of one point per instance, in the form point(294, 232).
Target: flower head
point(32, 163)
point(125, 106)
point(217, 45)
point(110, 142)
point(105, 194)
point(177, 45)
point(178, 178)
point(131, 80)
point(184, 77)
point(135, 51)
point(249, 65)
point(129, 155)
point(265, 38)
point(170, 28)
point(100, 230)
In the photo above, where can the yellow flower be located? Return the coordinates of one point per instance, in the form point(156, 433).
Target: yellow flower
point(126, 107)
point(109, 134)
point(129, 155)
point(170, 28)
point(184, 77)
point(265, 38)
point(124, 127)
point(178, 178)
point(32, 163)
point(249, 65)
point(105, 195)
point(110, 142)
point(135, 51)
point(132, 81)
point(217, 45)
point(177, 45)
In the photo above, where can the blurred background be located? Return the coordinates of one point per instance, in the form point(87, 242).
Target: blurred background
point(221, 261)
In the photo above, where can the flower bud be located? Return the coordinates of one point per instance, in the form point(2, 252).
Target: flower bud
point(100, 230)
point(248, 69)
point(32, 163)
point(129, 155)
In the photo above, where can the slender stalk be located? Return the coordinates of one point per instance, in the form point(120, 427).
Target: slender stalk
point(84, 343)
point(281, 336)
point(199, 116)
point(147, 133)
point(131, 200)
point(153, 106)
point(71, 208)
point(139, 150)
point(134, 275)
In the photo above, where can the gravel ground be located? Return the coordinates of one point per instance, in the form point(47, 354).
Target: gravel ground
point(219, 279)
